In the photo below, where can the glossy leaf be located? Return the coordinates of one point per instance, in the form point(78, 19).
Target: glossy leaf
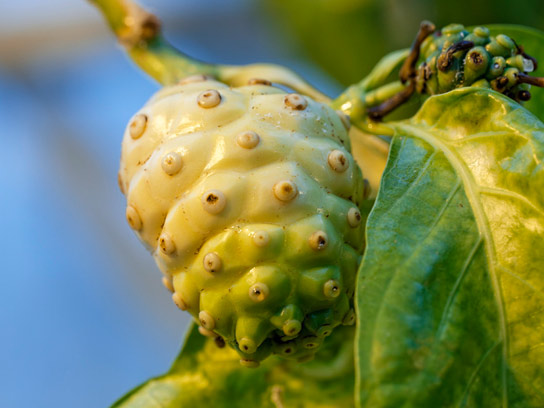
point(204, 375)
point(451, 289)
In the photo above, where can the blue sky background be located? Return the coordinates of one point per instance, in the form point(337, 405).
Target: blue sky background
point(83, 314)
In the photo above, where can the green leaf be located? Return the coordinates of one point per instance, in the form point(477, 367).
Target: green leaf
point(450, 294)
point(204, 375)
point(532, 41)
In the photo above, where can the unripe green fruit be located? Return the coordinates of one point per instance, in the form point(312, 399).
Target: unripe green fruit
point(454, 57)
point(248, 199)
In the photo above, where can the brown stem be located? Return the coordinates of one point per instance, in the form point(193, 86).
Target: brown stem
point(527, 79)
point(378, 112)
point(446, 58)
point(408, 70)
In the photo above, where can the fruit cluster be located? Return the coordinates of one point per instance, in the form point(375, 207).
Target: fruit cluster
point(454, 57)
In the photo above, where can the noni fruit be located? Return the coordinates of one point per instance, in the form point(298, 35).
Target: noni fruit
point(249, 200)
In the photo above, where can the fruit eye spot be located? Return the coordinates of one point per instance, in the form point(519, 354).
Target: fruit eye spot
point(178, 300)
point(137, 126)
point(338, 161)
point(212, 262)
point(206, 332)
point(318, 241)
point(291, 327)
point(249, 363)
point(166, 243)
point(209, 99)
point(193, 78)
point(247, 345)
point(133, 218)
point(261, 238)
point(206, 320)
point(214, 201)
point(248, 140)
point(354, 217)
point(120, 183)
point(171, 163)
point(324, 331)
point(310, 342)
point(296, 102)
point(349, 318)
point(331, 289)
point(259, 81)
point(367, 189)
point(259, 292)
point(285, 190)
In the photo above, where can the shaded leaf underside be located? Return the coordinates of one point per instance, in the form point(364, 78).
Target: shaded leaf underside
point(451, 290)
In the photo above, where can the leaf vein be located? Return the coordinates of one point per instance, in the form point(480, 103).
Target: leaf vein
point(475, 373)
point(511, 194)
point(472, 192)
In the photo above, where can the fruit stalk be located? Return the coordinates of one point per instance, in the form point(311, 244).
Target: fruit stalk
point(140, 33)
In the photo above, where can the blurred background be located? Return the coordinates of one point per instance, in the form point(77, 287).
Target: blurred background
point(83, 314)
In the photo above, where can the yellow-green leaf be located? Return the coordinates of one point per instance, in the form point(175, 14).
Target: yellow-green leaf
point(451, 290)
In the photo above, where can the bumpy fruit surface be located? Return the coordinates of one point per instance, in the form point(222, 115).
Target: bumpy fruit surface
point(455, 57)
point(248, 199)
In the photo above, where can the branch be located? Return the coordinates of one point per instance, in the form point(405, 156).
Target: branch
point(139, 32)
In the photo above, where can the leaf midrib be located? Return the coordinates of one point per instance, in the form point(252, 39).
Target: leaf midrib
point(473, 192)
